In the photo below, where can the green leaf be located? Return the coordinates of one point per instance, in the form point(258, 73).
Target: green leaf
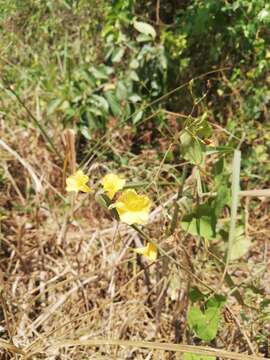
point(134, 98)
point(195, 294)
point(113, 102)
point(145, 28)
point(100, 103)
point(218, 150)
point(218, 168)
point(188, 356)
point(264, 15)
point(134, 64)
point(95, 111)
point(264, 304)
point(143, 38)
point(192, 149)
point(117, 55)
point(216, 301)
point(132, 75)
point(240, 245)
point(53, 105)
point(121, 90)
point(201, 222)
point(198, 226)
point(205, 324)
point(99, 73)
point(222, 199)
point(202, 127)
point(137, 117)
point(84, 130)
point(199, 127)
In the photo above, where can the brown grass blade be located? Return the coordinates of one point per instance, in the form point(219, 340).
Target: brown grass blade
point(10, 347)
point(200, 350)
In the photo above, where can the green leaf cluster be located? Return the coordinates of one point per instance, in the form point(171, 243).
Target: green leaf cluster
point(192, 139)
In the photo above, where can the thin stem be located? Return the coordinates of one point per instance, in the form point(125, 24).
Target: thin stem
point(165, 253)
point(176, 205)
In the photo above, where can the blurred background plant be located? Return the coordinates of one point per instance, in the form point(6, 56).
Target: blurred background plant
point(91, 64)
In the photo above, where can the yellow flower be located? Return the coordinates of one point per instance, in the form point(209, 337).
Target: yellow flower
point(112, 183)
point(149, 251)
point(132, 208)
point(77, 182)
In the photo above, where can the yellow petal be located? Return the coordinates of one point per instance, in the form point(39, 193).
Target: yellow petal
point(112, 183)
point(77, 182)
point(132, 217)
point(71, 184)
point(149, 251)
point(85, 188)
point(133, 208)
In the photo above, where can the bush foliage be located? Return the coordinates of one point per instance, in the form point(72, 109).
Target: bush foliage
point(92, 61)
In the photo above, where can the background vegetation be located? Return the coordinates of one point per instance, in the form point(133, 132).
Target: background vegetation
point(150, 88)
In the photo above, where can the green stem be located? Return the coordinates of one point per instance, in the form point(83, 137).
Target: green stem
point(176, 205)
point(166, 254)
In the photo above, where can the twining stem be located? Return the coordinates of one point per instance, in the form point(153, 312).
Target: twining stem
point(166, 254)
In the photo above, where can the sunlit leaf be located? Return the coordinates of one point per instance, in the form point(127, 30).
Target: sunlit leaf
point(53, 106)
point(191, 148)
point(99, 73)
point(137, 117)
point(113, 102)
point(100, 102)
point(145, 28)
point(205, 324)
point(201, 222)
point(240, 245)
point(135, 98)
point(121, 90)
point(117, 55)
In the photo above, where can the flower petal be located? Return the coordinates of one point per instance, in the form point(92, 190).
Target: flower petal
point(71, 184)
point(112, 183)
point(85, 188)
point(77, 182)
point(133, 208)
point(150, 251)
point(130, 217)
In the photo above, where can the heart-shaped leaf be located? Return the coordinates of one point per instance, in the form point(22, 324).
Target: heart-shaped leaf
point(205, 324)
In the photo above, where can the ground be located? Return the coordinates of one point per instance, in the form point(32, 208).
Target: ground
point(68, 270)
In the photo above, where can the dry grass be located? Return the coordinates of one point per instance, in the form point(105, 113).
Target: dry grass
point(68, 278)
